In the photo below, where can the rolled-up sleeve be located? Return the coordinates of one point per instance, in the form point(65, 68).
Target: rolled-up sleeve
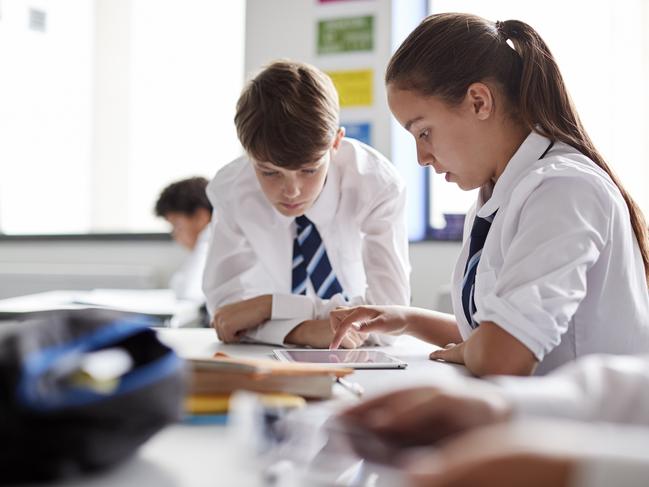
point(558, 235)
point(230, 259)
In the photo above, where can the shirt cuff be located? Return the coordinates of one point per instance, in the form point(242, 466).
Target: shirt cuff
point(272, 332)
point(543, 396)
point(286, 306)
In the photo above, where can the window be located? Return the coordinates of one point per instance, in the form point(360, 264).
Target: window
point(602, 48)
point(105, 102)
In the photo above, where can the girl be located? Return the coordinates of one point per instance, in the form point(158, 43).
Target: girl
point(555, 258)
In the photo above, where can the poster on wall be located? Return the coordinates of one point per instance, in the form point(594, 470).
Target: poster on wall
point(359, 130)
point(346, 34)
point(354, 87)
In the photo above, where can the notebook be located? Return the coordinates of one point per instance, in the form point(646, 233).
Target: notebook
point(223, 374)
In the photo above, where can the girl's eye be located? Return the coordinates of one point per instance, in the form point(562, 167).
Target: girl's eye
point(309, 171)
point(269, 174)
point(424, 134)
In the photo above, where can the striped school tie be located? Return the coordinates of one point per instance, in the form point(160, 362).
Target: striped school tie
point(479, 233)
point(310, 261)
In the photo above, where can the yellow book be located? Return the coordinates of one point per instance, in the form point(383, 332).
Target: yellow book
point(219, 403)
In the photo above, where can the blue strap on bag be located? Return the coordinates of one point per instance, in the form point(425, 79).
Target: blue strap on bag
point(61, 420)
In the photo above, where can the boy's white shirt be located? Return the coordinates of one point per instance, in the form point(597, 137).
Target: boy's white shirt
point(186, 282)
point(360, 215)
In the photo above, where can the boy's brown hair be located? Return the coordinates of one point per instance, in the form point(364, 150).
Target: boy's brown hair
point(288, 114)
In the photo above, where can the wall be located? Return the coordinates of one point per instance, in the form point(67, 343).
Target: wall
point(28, 267)
point(40, 265)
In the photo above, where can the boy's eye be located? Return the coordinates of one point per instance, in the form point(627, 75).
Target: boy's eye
point(424, 134)
point(309, 171)
point(269, 173)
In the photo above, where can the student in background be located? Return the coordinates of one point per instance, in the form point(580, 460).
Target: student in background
point(514, 451)
point(307, 220)
point(555, 258)
point(185, 206)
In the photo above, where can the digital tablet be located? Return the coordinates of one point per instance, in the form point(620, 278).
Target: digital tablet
point(355, 359)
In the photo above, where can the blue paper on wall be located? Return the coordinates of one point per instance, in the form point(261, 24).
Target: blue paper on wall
point(360, 131)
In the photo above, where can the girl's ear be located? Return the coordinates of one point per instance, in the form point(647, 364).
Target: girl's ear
point(481, 99)
point(338, 138)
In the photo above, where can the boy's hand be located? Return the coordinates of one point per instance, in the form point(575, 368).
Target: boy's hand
point(318, 334)
point(231, 320)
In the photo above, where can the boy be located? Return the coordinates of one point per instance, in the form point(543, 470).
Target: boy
point(307, 220)
point(185, 206)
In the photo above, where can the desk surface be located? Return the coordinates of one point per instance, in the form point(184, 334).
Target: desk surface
point(160, 304)
point(196, 456)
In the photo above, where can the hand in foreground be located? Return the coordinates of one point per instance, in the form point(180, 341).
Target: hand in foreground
point(318, 334)
point(497, 456)
point(367, 319)
point(232, 320)
point(424, 415)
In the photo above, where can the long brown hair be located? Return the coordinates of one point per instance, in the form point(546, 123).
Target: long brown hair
point(448, 52)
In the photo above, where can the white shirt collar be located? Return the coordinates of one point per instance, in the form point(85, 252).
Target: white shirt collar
point(491, 197)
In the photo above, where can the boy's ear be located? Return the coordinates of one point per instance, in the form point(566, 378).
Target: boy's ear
point(338, 138)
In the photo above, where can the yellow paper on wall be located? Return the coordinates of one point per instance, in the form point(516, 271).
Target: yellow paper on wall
point(355, 88)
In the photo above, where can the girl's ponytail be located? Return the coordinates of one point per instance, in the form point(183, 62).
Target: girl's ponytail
point(448, 52)
point(545, 105)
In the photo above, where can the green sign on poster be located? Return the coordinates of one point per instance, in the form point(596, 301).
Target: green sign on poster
point(346, 34)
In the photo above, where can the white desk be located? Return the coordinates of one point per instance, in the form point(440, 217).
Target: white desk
point(160, 304)
point(196, 456)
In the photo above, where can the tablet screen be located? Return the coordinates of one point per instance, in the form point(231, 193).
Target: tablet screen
point(342, 357)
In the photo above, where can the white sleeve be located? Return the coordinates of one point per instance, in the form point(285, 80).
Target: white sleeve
point(559, 235)
point(385, 258)
point(608, 388)
point(272, 332)
point(229, 259)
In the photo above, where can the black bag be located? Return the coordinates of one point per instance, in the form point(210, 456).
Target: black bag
point(51, 424)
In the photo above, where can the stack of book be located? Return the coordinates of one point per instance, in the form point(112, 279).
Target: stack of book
point(222, 374)
point(283, 385)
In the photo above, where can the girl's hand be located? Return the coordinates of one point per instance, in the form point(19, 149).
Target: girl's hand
point(453, 352)
point(367, 319)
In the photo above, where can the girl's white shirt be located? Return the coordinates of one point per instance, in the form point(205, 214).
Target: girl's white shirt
point(360, 215)
point(561, 269)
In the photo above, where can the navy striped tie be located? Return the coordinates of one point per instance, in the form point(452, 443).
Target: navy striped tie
point(310, 261)
point(479, 233)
